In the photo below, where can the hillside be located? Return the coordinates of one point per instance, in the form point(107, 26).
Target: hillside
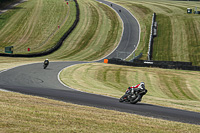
point(178, 33)
point(34, 24)
point(97, 33)
point(23, 113)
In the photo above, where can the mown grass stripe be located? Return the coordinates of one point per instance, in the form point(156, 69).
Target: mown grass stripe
point(171, 90)
point(194, 88)
point(31, 23)
point(91, 31)
point(26, 30)
point(112, 36)
point(193, 40)
point(180, 86)
point(35, 114)
point(162, 7)
point(172, 13)
point(162, 47)
point(97, 46)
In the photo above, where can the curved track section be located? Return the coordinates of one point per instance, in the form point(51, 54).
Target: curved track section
point(34, 80)
point(131, 32)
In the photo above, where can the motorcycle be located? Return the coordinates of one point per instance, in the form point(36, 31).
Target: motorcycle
point(134, 96)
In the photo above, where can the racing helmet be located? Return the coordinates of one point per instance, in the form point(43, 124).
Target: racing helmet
point(142, 84)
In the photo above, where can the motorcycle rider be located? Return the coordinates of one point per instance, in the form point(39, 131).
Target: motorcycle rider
point(46, 62)
point(131, 90)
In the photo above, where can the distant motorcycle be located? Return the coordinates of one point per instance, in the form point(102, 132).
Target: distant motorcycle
point(133, 97)
point(46, 63)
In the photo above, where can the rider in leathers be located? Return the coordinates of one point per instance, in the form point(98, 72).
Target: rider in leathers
point(131, 90)
point(46, 62)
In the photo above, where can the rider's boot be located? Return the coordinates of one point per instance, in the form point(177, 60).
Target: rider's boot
point(140, 98)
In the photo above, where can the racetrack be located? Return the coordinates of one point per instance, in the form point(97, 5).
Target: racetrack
point(131, 32)
point(34, 80)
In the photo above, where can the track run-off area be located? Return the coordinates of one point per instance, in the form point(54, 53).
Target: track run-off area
point(34, 80)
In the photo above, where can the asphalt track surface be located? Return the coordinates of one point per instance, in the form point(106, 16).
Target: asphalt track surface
point(11, 6)
point(32, 79)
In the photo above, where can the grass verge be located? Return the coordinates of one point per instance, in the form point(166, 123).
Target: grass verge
point(162, 47)
point(23, 113)
point(34, 25)
point(95, 36)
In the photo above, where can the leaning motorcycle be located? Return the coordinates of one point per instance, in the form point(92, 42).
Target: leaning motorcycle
point(133, 97)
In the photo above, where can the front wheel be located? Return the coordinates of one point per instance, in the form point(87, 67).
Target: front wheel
point(45, 66)
point(135, 100)
point(124, 98)
point(121, 100)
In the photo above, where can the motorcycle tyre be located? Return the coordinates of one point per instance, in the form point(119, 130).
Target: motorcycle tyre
point(45, 66)
point(134, 101)
point(121, 100)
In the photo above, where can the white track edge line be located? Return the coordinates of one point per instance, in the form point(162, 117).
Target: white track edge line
point(121, 33)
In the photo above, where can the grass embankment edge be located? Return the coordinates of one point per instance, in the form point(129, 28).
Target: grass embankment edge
point(25, 113)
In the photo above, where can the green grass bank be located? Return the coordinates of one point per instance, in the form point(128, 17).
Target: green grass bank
point(23, 113)
point(95, 36)
point(34, 24)
point(178, 32)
